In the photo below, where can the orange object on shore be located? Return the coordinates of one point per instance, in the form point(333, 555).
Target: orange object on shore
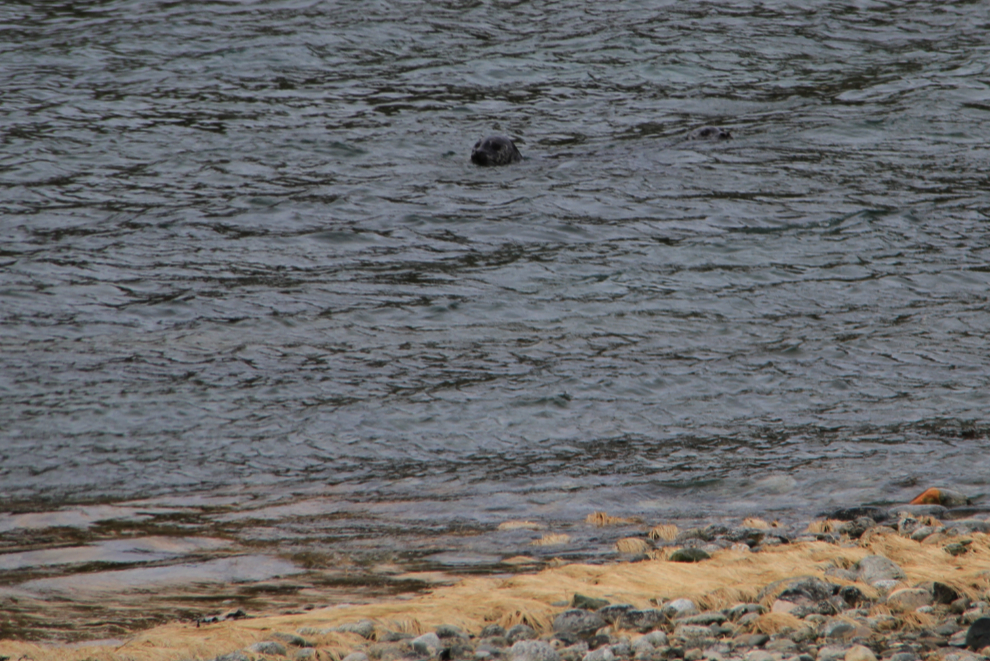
point(930, 497)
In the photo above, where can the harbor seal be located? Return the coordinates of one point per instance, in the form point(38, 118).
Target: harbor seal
point(710, 133)
point(495, 150)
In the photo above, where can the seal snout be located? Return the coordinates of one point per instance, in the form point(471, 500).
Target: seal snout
point(495, 150)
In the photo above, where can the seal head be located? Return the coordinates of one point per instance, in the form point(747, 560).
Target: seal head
point(710, 133)
point(495, 150)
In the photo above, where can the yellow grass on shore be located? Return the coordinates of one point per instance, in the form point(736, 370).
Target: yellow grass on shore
point(728, 577)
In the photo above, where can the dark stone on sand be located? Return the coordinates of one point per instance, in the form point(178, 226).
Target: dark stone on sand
point(587, 603)
point(580, 622)
point(852, 595)
point(878, 514)
point(943, 594)
point(689, 554)
point(957, 548)
point(978, 635)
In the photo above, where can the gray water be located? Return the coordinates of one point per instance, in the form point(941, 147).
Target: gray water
point(243, 251)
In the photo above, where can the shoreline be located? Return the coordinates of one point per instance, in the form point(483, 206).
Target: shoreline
point(743, 565)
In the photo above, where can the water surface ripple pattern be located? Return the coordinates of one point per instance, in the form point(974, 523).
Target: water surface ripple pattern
point(242, 244)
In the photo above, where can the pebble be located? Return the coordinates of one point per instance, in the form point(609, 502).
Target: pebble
point(363, 628)
point(533, 650)
point(908, 599)
point(428, 644)
point(679, 608)
point(875, 568)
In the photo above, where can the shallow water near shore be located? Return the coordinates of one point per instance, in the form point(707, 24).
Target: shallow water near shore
point(255, 299)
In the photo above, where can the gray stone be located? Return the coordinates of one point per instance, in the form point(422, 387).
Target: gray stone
point(656, 638)
point(533, 650)
point(603, 653)
point(614, 612)
point(903, 656)
point(291, 639)
point(706, 619)
point(233, 656)
point(268, 647)
point(751, 640)
point(875, 568)
point(520, 632)
point(900, 511)
point(832, 653)
point(759, 655)
point(978, 635)
point(356, 656)
point(642, 620)
point(579, 622)
point(304, 654)
point(839, 629)
point(450, 631)
point(922, 532)
point(783, 645)
point(428, 644)
point(492, 630)
point(363, 628)
point(679, 608)
point(691, 632)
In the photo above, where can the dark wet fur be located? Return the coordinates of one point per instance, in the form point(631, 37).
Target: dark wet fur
point(495, 150)
point(710, 133)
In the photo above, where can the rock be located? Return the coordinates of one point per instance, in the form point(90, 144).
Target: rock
point(783, 645)
point(922, 533)
point(852, 595)
point(450, 631)
point(656, 638)
point(801, 596)
point(603, 653)
point(679, 608)
point(878, 514)
point(304, 654)
point(291, 639)
point(691, 632)
point(707, 618)
point(967, 526)
point(268, 647)
point(959, 606)
point(642, 620)
point(363, 628)
point(831, 653)
point(940, 496)
point(428, 644)
point(492, 643)
point(856, 527)
point(533, 650)
point(689, 554)
point(233, 656)
point(573, 652)
point(492, 630)
point(520, 632)
point(751, 639)
point(840, 573)
point(585, 602)
point(614, 612)
point(394, 636)
point(356, 656)
point(978, 635)
point(839, 629)
point(580, 622)
point(860, 653)
point(957, 548)
point(875, 568)
point(904, 656)
point(908, 599)
point(901, 511)
point(943, 594)
point(759, 655)
point(739, 610)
